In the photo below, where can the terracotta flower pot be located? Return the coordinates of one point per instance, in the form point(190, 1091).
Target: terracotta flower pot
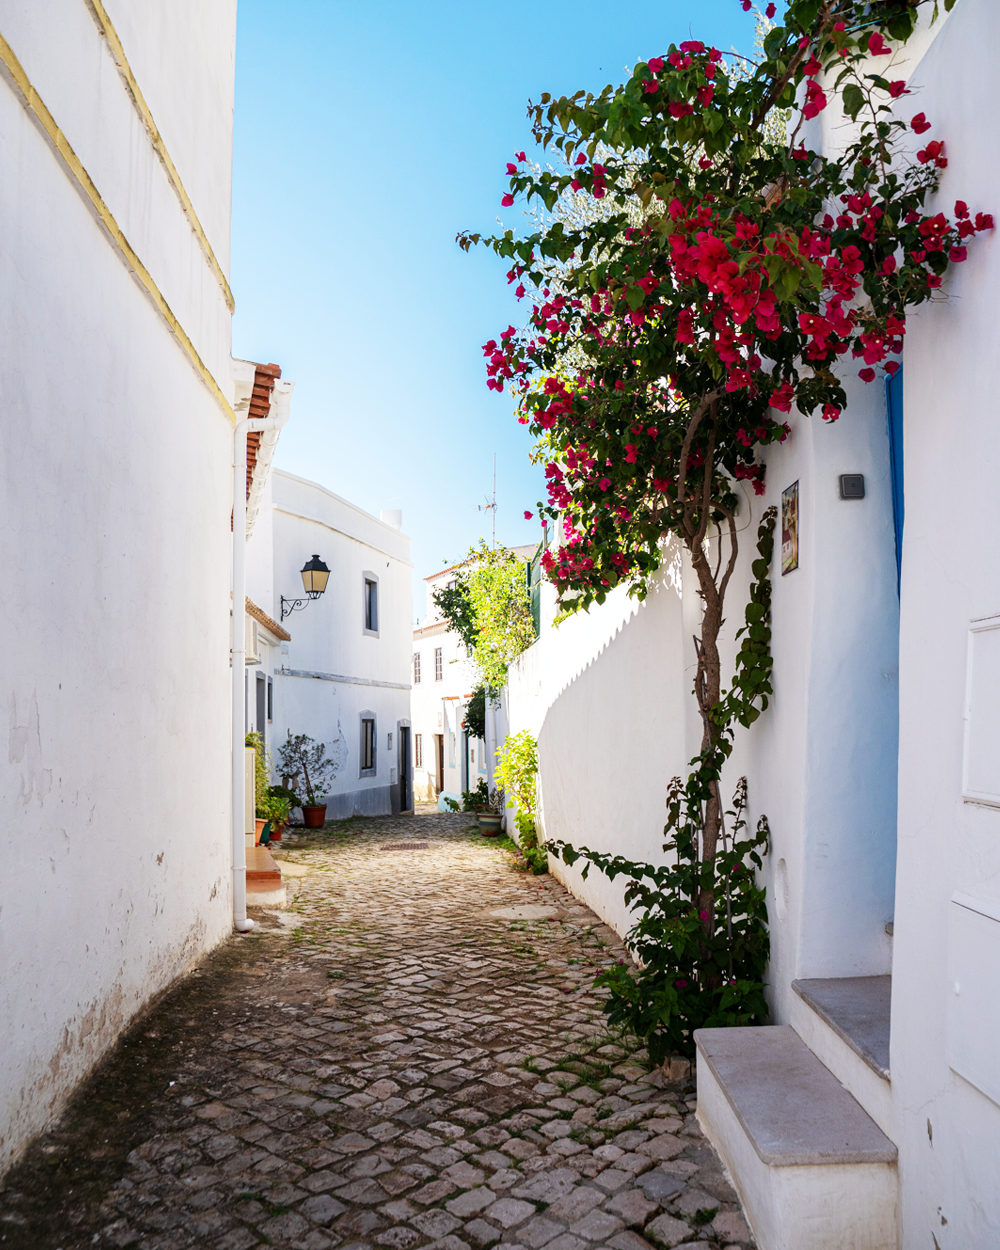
point(276, 832)
point(313, 817)
point(258, 830)
point(489, 824)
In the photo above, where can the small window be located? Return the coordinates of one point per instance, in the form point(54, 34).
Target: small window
point(418, 748)
point(371, 605)
point(388, 744)
point(438, 665)
point(270, 698)
point(416, 668)
point(367, 744)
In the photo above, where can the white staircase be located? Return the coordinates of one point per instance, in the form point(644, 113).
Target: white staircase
point(801, 1116)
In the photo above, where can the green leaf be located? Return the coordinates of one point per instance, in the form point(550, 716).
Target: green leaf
point(854, 100)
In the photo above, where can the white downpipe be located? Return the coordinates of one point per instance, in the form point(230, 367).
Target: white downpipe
point(267, 426)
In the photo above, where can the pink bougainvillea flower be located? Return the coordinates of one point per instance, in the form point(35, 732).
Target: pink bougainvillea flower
point(957, 254)
point(581, 158)
point(984, 221)
point(507, 200)
point(898, 88)
point(705, 95)
point(528, 515)
point(651, 86)
point(920, 124)
point(815, 100)
point(747, 5)
point(520, 156)
point(704, 163)
point(511, 169)
point(520, 291)
point(703, 915)
point(830, 412)
point(811, 67)
point(770, 11)
point(866, 375)
point(681, 983)
point(893, 365)
point(604, 483)
point(889, 265)
point(800, 153)
point(655, 63)
point(877, 46)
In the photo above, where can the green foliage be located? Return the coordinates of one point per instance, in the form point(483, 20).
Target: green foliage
point(285, 792)
point(516, 773)
point(452, 805)
point(261, 766)
point(302, 757)
point(477, 800)
point(489, 609)
point(516, 770)
point(697, 968)
point(277, 808)
point(475, 713)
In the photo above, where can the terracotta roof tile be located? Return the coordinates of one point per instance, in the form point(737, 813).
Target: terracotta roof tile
point(262, 618)
point(260, 406)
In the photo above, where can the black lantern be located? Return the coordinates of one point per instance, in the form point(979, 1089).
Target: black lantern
point(315, 575)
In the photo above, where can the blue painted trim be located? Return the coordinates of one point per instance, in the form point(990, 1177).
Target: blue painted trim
point(894, 421)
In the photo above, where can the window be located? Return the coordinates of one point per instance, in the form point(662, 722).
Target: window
point(438, 665)
point(418, 747)
point(270, 699)
point(416, 668)
point(368, 745)
point(371, 604)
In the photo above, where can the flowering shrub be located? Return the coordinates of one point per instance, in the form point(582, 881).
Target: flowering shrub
point(760, 271)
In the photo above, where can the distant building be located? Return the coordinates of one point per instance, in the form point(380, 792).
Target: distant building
point(344, 677)
point(447, 760)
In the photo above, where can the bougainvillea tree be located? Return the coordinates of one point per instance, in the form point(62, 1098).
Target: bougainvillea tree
point(760, 273)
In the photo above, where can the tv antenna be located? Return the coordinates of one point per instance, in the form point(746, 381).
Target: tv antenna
point(489, 506)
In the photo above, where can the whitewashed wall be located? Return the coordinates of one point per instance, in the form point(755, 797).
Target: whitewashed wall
point(949, 1124)
point(332, 671)
point(115, 507)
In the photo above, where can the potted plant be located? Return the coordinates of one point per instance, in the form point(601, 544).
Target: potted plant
point(304, 761)
point(491, 821)
point(261, 786)
point(280, 808)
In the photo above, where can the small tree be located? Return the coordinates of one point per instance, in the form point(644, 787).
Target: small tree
point(489, 609)
point(302, 757)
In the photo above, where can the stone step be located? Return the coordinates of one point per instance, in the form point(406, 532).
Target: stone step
point(264, 883)
point(813, 1170)
point(845, 1023)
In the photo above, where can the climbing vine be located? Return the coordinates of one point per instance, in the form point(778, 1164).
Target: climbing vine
point(700, 965)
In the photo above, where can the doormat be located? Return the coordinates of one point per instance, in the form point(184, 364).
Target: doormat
point(404, 846)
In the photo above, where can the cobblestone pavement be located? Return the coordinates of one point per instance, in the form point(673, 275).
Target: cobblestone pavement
point(397, 1061)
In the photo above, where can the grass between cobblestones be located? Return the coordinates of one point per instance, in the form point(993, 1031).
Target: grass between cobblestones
point(385, 1065)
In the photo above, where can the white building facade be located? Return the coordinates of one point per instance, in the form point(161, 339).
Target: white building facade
point(117, 398)
point(343, 675)
point(877, 763)
point(448, 760)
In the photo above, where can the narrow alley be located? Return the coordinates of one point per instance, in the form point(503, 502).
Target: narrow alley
point(412, 1054)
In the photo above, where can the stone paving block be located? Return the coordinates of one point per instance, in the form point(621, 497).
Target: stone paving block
point(628, 1240)
point(436, 1223)
point(667, 1230)
point(481, 1233)
point(285, 1226)
point(471, 1202)
point(659, 1187)
point(398, 1238)
point(636, 1206)
point(322, 1209)
point(465, 1175)
point(731, 1226)
point(508, 1212)
point(662, 1148)
point(597, 1226)
point(694, 1200)
point(434, 1192)
point(538, 1231)
point(567, 1241)
point(613, 1179)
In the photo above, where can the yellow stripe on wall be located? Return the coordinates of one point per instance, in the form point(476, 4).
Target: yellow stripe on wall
point(106, 28)
point(35, 105)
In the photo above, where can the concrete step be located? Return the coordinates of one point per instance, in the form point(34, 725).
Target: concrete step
point(845, 1022)
point(813, 1170)
point(265, 887)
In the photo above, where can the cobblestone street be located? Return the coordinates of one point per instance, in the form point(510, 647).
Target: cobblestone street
point(411, 1055)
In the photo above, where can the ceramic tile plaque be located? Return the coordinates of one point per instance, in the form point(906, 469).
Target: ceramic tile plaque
point(790, 528)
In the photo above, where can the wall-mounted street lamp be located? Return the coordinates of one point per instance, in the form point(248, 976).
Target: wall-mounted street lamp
point(315, 575)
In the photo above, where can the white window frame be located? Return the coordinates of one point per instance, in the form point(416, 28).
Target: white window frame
point(369, 577)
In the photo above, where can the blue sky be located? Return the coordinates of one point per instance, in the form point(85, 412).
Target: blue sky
point(368, 135)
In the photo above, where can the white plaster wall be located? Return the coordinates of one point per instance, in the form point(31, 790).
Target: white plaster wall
point(328, 635)
point(115, 506)
point(949, 1132)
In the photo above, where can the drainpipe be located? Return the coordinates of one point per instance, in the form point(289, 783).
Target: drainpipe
point(269, 427)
